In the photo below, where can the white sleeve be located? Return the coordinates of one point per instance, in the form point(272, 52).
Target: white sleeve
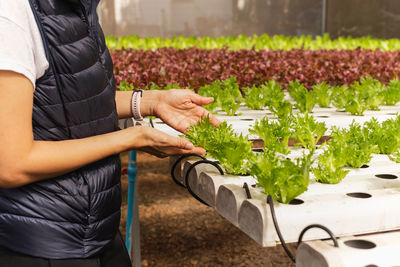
point(16, 50)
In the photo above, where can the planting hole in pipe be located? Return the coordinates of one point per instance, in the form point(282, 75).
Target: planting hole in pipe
point(296, 201)
point(258, 150)
point(386, 176)
point(159, 122)
point(364, 166)
point(360, 244)
point(254, 185)
point(323, 116)
point(371, 265)
point(245, 119)
point(359, 195)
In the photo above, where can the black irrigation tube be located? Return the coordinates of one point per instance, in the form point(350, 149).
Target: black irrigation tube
point(204, 161)
point(178, 161)
point(278, 231)
point(151, 123)
point(247, 190)
point(326, 229)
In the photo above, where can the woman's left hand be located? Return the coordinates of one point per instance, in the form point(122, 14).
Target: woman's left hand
point(181, 108)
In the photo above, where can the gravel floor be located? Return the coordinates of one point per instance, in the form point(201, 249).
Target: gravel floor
point(176, 230)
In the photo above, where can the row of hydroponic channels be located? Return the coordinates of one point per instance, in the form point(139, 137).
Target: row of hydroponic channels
point(335, 77)
point(276, 42)
point(368, 94)
point(282, 177)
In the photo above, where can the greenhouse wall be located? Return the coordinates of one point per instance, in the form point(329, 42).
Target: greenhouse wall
point(378, 18)
point(166, 18)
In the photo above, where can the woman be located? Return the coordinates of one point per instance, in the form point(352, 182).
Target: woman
point(60, 192)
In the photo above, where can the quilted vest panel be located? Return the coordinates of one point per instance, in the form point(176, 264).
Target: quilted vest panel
point(77, 214)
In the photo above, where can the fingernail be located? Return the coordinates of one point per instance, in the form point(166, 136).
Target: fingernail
point(189, 146)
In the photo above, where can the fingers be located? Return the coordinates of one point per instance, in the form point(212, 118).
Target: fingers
point(163, 144)
point(214, 121)
point(183, 146)
point(198, 150)
point(201, 100)
point(169, 141)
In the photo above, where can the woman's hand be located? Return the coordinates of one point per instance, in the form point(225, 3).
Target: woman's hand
point(160, 144)
point(181, 108)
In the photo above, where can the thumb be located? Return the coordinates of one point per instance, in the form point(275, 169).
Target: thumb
point(201, 100)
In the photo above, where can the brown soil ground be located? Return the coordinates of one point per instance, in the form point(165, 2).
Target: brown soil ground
point(177, 230)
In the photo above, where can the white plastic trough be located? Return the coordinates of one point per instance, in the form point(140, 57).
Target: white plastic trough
point(367, 250)
point(374, 208)
point(331, 116)
point(361, 197)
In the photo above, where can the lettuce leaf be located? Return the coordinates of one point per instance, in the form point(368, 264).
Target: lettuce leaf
point(274, 134)
point(230, 149)
point(323, 94)
point(307, 131)
point(305, 100)
point(281, 178)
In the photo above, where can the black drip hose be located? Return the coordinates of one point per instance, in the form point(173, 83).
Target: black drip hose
point(176, 164)
point(151, 122)
point(278, 231)
point(204, 161)
point(247, 190)
point(326, 229)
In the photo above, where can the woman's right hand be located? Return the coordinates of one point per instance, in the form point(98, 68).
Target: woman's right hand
point(160, 144)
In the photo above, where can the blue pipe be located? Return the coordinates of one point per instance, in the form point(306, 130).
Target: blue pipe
point(132, 171)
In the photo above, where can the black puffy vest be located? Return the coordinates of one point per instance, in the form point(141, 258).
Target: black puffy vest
point(76, 214)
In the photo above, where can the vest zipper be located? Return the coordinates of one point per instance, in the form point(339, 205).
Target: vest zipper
point(86, 20)
point(85, 17)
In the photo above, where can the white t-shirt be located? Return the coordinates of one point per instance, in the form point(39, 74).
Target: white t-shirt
point(21, 45)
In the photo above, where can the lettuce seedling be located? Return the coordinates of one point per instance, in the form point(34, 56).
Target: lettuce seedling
point(307, 131)
point(198, 134)
point(330, 166)
point(366, 94)
point(323, 94)
point(385, 136)
point(255, 97)
point(226, 95)
point(230, 149)
point(395, 156)
point(211, 90)
point(340, 96)
point(370, 91)
point(274, 134)
point(391, 96)
point(230, 96)
point(356, 148)
point(281, 178)
point(355, 105)
point(305, 100)
point(273, 93)
point(275, 100)
point(282, 110)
